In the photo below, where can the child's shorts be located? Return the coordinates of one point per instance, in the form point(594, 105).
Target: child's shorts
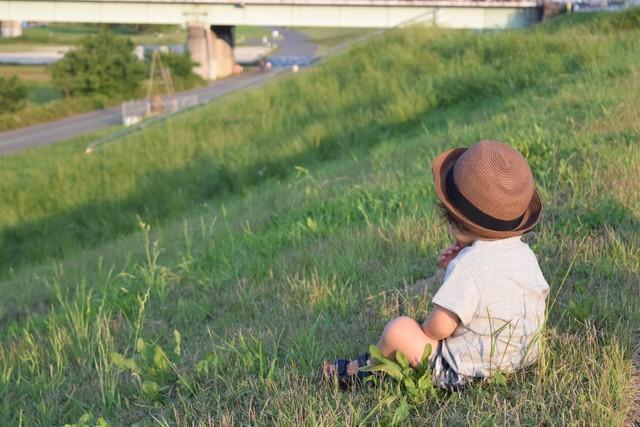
point(444, 376)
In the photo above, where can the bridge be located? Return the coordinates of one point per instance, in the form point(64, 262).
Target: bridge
point(210, 22)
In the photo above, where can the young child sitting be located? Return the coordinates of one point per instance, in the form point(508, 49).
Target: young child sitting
point(491, 304)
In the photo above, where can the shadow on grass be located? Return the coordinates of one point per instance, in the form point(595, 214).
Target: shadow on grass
point(163, 195)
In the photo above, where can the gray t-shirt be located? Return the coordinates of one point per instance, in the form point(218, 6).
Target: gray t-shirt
point(499, 293)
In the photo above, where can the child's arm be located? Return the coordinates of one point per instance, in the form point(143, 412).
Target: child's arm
point(440, 324)
point(450, 253)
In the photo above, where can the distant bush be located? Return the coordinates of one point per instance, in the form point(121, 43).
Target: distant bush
point(132, 29)
point(102, 64)
point(13, 94)
point(180, 64)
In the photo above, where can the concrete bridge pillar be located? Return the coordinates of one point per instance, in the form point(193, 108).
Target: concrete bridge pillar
point(10, 29)
point(212, 48)
point(223, 44)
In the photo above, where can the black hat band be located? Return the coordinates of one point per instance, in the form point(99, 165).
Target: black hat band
point(473, 213)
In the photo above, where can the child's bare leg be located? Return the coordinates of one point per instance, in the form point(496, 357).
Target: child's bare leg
point(403, 334)
point(406, 335)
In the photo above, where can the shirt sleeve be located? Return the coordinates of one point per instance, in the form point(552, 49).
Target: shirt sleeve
point(458, 294)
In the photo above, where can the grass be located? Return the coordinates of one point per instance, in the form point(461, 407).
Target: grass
point(66, 33)
point(30, 73)
point(286, 228)
point(326, 38)
point(245, 34)
point(40, 89)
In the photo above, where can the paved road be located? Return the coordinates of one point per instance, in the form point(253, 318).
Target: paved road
point(293, 45)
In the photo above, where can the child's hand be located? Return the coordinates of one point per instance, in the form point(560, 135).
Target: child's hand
point(450, 253)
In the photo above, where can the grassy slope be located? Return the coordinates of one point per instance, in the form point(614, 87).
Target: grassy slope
point(244, 140)
point(281, 267)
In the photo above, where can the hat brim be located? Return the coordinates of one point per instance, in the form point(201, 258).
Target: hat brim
point(441, 166)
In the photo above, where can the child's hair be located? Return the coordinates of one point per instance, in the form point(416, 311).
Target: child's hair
point(448, 217)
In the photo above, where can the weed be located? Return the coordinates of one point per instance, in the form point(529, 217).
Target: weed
point(152, 369)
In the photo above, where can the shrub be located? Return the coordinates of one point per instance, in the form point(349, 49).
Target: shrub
point(180, 64)
point(13, 94)
point(102, 64)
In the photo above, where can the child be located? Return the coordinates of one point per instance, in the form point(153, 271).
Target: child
point(491, 304)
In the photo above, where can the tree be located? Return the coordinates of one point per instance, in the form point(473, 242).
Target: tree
point(180, 64)
point(13, 94)
point(102, 64)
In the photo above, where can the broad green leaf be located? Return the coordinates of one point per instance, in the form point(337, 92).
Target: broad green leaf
point(150, 388)
point(415, 395)
point(160, 360)
point(377, 354)
point(140, 345)
point(202, 367)
point(312, 225)
point(130, 363)
point(388, 368)
point(409, 373)
point(425, 382)
point(426, 354)
point(409, 384)
point(402, 359)
point(500, 379)
point(122, 363)
point(117, 359)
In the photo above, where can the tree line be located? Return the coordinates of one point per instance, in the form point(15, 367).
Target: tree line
point(102, 65)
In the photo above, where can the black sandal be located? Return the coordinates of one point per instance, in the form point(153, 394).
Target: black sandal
point(344, 379)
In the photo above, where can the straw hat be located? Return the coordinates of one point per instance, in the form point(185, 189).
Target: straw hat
point(488, 188)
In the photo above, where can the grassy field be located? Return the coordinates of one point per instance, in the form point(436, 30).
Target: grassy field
point(286, 225)
point(37, 78)
point(328, 38)
point(66, 34)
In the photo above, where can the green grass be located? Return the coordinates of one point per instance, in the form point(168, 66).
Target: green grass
point(41, 93)
point(287, 225)
point(27, 73)
point(37, 78)
point(327, 38)
point(250, 34)
point(65, 33)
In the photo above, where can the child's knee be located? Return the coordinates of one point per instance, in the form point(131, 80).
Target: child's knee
point(399, 327)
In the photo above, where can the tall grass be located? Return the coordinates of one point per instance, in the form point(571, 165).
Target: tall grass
point(306, 255)
point(70, 200)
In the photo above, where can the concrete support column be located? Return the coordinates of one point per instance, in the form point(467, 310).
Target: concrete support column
point(223, 44)
point(10, 29)
point(198, 44)
point(212, 49)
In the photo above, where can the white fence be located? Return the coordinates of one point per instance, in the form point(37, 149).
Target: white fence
point(134, 112)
